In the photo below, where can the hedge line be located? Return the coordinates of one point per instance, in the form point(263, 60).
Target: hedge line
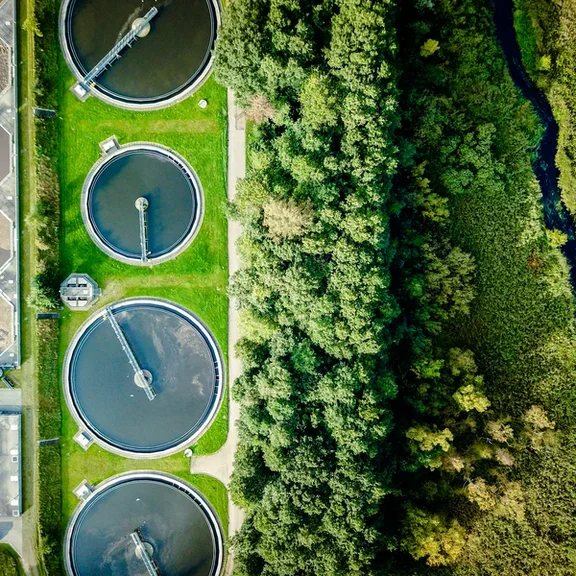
point(46, 215)
point(47, 221)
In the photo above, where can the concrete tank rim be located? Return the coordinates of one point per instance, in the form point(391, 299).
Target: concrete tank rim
point(82, 423)
point(214, 520)
point(142, 106)
point(101, 163)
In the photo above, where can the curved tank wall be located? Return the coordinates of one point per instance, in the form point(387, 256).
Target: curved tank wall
point(158, 70)
point(178, 528)
point(183, 363)
point(170, 189)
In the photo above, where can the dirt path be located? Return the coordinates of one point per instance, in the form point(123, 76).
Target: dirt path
point(220, 464)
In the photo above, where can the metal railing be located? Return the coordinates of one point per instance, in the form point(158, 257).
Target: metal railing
point(143, 217)
point(114, 54)
point(139, 375)
point(151, 566)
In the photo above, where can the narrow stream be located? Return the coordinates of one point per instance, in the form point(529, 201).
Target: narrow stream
point(556, 216)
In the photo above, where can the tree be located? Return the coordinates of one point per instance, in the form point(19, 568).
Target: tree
point(313, 286)
point(429, 48)
point(453, 462)
point(430, 444)
point(536, 418)
point(469, 398)
point(449, 278)
point(433, 537)
point(260, 109)
point(288, 219)
point(32, 27)
point(482, 494)
point(240, 48)
point(511, 503)
point(254, 327)
point(504, 457)
point(545, 63)
point(538, 427)
point(45, 293)
point(557, 238)
point(461, 362)
point(319, 101)
point(500, 431)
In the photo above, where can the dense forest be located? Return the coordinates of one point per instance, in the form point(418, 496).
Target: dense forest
point(315, 460)
point(546, 31)
point(408, 324)
point(468, 137)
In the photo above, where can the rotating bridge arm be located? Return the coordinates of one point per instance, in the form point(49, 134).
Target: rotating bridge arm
point(139, 374)
point(142, 553)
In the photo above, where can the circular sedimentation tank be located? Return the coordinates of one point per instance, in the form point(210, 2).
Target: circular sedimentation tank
point(164, 402)
point(177, 527)
point(169, 60)
point(149, 178)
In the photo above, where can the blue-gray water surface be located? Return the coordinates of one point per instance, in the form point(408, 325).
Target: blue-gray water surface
point(170, 193)
point(168, 519)
point(114, 407)
point(168, 60)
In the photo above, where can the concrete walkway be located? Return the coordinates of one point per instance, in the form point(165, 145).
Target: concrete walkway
point(220, 464)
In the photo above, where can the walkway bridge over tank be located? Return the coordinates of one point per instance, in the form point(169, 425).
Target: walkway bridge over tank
point(82, 87)
point(142, 553)
point(142, 378)
point(142, 207)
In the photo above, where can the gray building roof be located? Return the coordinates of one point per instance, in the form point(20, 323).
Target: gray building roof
point(10, 465)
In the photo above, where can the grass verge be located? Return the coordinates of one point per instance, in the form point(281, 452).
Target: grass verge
point(197, 279)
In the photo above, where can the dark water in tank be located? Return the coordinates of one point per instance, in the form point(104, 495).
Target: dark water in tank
point(182, 366)
point(168, 519)
point(173, 54)
point(172, 204)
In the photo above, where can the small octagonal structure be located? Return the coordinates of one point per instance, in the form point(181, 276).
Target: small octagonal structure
point(79, 291)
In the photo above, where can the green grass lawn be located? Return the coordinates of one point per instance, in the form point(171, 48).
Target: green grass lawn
point(197, 279)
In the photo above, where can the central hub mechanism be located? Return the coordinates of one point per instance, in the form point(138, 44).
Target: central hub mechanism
point(144, 551)
point(143, 379)
point(142, 27)
point(149, 550)
point(141, 204)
